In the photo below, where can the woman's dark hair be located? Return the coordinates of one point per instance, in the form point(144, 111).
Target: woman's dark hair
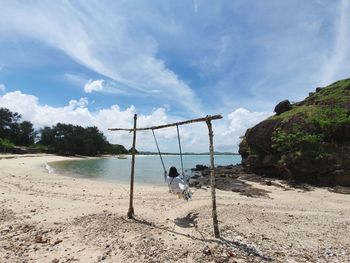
point(173, 172)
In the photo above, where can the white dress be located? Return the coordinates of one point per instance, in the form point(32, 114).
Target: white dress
point(178, 186)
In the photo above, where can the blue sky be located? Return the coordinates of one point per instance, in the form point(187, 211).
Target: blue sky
point(99, 62)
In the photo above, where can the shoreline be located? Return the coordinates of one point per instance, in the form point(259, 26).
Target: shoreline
point(153, 176)
point(94, 179)
point(46, 217)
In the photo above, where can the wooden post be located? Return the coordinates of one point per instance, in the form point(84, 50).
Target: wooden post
point(212, 180)
point(133, 151)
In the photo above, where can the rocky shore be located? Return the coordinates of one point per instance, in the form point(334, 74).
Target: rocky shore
point(236, 178)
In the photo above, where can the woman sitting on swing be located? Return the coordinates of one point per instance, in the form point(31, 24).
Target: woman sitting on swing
point(177, 185)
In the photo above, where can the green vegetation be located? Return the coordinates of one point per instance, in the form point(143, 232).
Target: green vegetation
point(6, 145)
point(39, 148)
point(65, 139)
point(19, 133)
point(295, 111)
point(334, 96)
point(116, 149)
point(328, 120)
point(130, 151)
point(297, 144)
point(310, 142)
point(313, 139)
point(68, 139)
point(295, 140)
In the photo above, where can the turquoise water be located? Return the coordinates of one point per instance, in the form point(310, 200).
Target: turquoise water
point(148, 168)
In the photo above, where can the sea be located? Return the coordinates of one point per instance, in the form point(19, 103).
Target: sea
point(148, 168)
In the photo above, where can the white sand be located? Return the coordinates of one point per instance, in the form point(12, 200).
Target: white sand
point(52, 218)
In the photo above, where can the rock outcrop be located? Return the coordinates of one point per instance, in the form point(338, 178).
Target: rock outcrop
point(283, 106)
point(308, 141)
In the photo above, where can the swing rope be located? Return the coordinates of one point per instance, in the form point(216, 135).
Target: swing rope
point(180, 150)
point(186, 193)
point(162, 161)
point(160, 155)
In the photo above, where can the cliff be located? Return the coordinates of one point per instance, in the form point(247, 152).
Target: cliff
point(307, 141)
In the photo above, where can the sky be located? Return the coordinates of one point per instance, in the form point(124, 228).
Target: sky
point(100, 62)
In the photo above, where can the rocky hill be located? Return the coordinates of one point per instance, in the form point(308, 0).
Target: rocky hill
point(307, 141)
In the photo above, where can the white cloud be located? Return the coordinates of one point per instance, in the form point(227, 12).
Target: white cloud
point(81, 103)
point(28, 105)
point(194, 137)
point(242, 119)
point(99, 85)
point(94, 85)
point(227, 132)
point(102, 39)
point(2, 87)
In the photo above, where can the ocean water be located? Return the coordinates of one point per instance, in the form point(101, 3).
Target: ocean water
point(148, 168)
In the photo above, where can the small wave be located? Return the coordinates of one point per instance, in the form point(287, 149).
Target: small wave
point(49, 169)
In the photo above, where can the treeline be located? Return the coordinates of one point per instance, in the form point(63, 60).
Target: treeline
point(64, 139)
point(13, 131)
point(68, 139)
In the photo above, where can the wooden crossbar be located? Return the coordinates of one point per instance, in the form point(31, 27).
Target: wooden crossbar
point(207, 118)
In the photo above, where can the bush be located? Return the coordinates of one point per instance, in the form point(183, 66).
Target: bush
point(39, 147)
point(295, 140)
point(328, 120)
point(6, 145)
point(298, 146)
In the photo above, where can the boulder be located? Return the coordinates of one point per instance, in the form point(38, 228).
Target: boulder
point(200, 167)
point(283, 106)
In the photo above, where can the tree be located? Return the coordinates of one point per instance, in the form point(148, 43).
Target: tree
point(47, 136)
point(117, 149)
point(68, 139)
point(64, 139)
point(26, 134)
point(8, 121)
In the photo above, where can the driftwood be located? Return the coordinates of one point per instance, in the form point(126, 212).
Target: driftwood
point(214, 117)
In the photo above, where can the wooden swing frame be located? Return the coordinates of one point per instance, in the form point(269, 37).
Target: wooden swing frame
point(206, 119)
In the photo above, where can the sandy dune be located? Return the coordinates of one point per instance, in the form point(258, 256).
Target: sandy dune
point(52, 218)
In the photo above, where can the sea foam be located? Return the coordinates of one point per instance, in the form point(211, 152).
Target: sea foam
point(49, 169)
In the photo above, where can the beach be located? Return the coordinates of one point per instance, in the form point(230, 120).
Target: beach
point(47, 217)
